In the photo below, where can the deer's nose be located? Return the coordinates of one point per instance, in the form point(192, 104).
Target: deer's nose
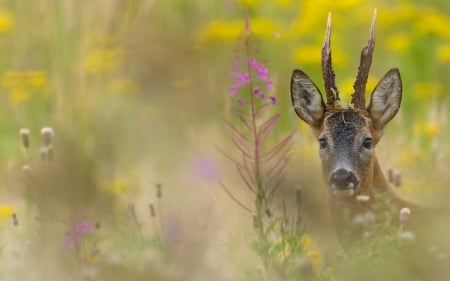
point(343, 179)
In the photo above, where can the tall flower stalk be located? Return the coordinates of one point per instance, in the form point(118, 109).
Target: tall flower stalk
point(261, 167)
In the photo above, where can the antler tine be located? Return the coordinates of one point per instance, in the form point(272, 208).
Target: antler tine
point(358, 97)
point(327, 69)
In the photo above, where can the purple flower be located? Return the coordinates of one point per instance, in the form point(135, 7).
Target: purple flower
point(173, 231)
point(234, 90)
point(241, 101)
point(237, 64)
point(261, 71)
point(273, 100)
point(249, 74)
point(241, 79)
point(205, 167)
point(77, 233)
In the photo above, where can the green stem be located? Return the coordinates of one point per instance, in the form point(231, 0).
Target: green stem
point(260, 195)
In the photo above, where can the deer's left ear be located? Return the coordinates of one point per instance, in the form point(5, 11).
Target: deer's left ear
point(386, 99)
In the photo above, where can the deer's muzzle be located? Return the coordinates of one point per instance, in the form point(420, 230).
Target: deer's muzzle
point(343, 183)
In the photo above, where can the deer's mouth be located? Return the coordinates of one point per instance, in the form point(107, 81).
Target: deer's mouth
point(344, 191)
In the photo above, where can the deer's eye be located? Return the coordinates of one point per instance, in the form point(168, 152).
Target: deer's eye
point(323, 143)
point(367, 143)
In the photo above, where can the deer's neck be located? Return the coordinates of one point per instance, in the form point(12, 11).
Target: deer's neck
point(347, 211)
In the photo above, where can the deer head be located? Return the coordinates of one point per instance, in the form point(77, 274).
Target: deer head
point(347, 136)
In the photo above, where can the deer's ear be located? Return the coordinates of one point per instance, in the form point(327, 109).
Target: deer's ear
point(386, 99)
point(307, 99)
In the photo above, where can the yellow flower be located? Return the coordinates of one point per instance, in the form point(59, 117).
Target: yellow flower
point(104, 59)
point(21, 84)
point(6, 22)
point(430, 129)
point(314, 255)
point(393, 15)
point(284, 3)
point(306, 242)
point(92, 259)
point(220, 30)
point(409, 156)
point(427, 90)
point(311, 54)
point(433, 22)
point(119, 186)
point(123, 86)
point(343, 4)
point(316, 258)
point(36, 79)
point(443, 53)
point(6, 211)
point(19, 95)
point(249, 3)
point(182, 84)
point(399, 43)
point(346, 88)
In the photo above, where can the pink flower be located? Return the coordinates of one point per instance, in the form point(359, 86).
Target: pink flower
point(273, 100)
point(77, 233)
point(205, 167)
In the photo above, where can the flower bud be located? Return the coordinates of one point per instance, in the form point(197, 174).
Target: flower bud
point(25, 134)
point(43, 152)
point(26, 169)
point(47, 135)
point(404, 215)
point(158, 190)
point(152, 211)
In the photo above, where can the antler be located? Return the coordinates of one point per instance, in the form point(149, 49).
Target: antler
point(328, 73)
point(358, 97)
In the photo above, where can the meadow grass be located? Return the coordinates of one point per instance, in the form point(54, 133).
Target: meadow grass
point(134, 94)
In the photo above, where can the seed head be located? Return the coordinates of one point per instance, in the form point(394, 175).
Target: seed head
point(43, 152)
point(152, 210)
point(15, 220)
point(158, 190)
point(364, 218)
point(26, 169)
point(47, 134)
point(404, 215)
point(268, 213)
point(25, 135)
point(407, 236)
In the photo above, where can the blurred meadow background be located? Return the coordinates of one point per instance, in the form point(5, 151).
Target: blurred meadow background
point(134, 95)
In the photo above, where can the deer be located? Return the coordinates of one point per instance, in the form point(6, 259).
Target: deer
point(347, 136)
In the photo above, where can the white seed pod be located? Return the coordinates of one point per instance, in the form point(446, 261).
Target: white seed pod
point(407, 236)
point(364, 218)
point(47, 134)
point(43, 152)
point(25, 135)
point(26, 169)
point(404, 215)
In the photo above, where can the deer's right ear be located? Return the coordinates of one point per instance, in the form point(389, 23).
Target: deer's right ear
point(307, 99)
